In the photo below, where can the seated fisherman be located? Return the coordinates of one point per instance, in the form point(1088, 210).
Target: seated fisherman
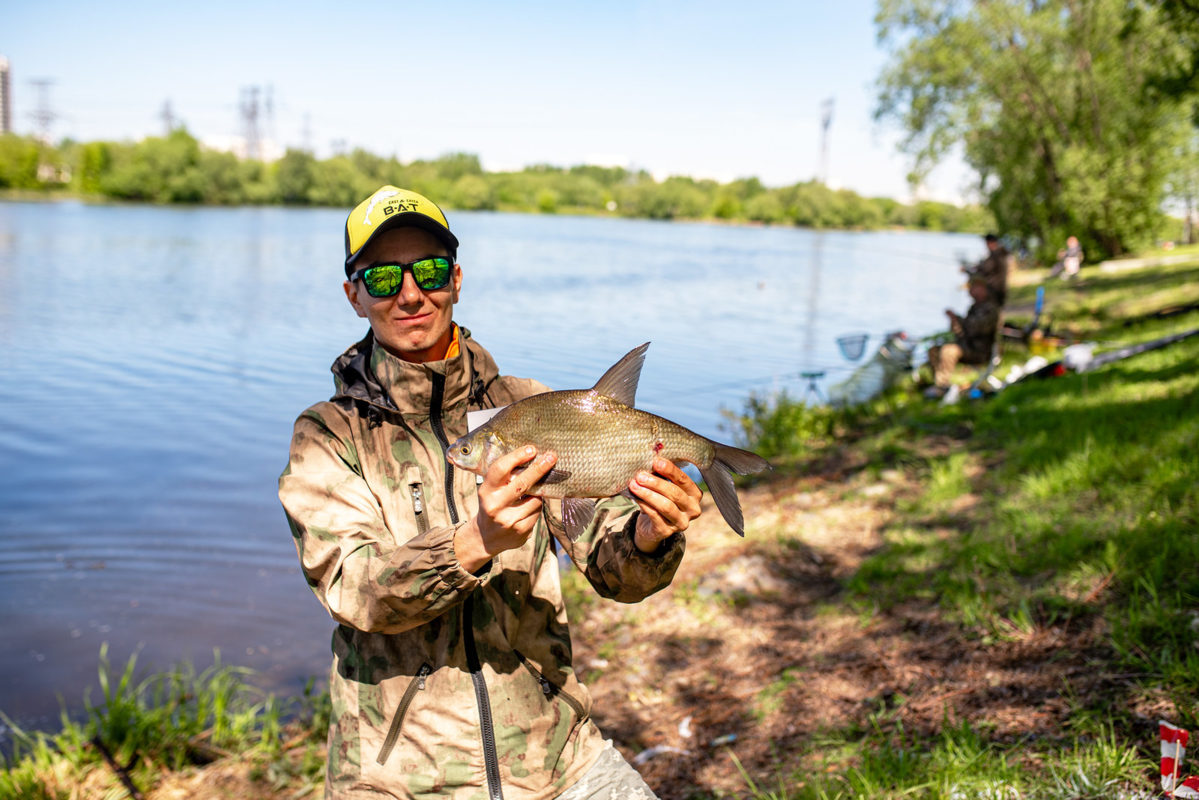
point(973, 336)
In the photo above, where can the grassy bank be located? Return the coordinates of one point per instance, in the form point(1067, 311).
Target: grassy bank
point(992, 599)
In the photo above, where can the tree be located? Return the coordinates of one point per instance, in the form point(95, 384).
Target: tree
point(18, 162)
point(294, 176)
point(1053, 103)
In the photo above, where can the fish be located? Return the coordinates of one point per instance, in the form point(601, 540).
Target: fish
point(602, 442)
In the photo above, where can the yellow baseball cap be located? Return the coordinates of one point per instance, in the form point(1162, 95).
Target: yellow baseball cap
point(390, 207)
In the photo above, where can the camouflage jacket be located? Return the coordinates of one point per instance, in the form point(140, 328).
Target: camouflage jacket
point(445, 683)
point(975, 332)
point(994, 271)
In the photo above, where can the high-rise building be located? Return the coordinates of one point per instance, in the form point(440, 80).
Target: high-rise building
point(5, 97)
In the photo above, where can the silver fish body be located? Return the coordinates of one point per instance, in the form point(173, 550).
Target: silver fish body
point(602, 441)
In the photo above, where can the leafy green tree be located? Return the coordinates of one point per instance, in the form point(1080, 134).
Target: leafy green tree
point(19, 156)
point(294, 176)
point(1053, 103)
point(94, 160)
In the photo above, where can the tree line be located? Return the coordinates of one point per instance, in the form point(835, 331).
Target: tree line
point(1077, 116)
point(176, 168)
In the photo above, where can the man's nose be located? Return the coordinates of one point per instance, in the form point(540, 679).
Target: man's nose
point(410, 293)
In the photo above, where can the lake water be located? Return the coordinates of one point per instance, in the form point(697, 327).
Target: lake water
point(154, 359)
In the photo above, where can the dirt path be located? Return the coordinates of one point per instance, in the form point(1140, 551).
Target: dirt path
point(755, 649)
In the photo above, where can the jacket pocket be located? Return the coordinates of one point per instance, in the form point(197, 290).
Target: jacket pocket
point(397, 721)
point(551, 690)
point(417, 492)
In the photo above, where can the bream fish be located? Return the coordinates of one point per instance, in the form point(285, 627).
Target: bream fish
point(602, 442)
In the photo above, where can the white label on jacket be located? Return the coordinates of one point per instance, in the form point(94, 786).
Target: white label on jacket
point(476, 418)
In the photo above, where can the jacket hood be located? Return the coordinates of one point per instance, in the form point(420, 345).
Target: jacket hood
point(468, 375)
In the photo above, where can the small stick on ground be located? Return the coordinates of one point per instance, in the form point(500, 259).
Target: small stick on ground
point(122, 773)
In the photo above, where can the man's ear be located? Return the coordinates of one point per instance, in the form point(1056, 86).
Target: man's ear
point(351, 291)
point(456, 282)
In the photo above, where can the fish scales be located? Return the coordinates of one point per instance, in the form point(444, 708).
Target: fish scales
point(601, 443)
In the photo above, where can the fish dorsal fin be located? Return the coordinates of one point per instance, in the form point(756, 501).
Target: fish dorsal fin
point(620, 381)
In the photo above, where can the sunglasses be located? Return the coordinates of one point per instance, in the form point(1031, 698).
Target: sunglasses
point(385, 280)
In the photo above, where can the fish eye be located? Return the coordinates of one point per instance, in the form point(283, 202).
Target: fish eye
point(465, 449)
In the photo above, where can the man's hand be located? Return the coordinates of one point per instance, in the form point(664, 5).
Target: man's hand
point(668, 499)
point(506, 514)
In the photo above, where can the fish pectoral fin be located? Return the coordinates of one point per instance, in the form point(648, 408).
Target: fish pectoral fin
point(577, 513)
point(556, 475)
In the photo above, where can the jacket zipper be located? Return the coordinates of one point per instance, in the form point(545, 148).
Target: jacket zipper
point(550, 689)
point(435, 401)
point(393, 733)
point(491, 758)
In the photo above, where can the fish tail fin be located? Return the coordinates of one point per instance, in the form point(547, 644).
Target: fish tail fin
point(719, 478)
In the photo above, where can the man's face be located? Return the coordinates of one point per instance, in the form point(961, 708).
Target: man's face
point(412, 324)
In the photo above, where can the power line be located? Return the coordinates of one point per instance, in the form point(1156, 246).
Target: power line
point(248, 108)
point(826, 120)
point(167, 115)
point(43, 114)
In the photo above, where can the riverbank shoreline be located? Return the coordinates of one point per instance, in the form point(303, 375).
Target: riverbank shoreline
point(956, 595)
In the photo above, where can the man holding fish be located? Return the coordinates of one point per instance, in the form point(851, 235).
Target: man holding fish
point(452, 671)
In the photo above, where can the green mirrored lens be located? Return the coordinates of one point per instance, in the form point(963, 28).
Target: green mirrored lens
point(383, 281)
point(431, 273)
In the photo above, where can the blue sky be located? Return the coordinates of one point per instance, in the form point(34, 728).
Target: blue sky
point(720, 90)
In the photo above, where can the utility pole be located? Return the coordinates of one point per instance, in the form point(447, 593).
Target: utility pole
point(43, 115)
point(5, 97)
point(167, 115)
point(826, 119)
point(306, 134)
point(269, 107)
point(248, 108)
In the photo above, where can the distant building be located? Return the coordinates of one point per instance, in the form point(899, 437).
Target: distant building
point(5, 97)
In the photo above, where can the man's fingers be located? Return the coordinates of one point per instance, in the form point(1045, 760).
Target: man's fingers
point(674, 473)
point(499, 473)
point(520, 482)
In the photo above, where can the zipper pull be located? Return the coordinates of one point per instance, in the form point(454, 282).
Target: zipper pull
point(417, 504)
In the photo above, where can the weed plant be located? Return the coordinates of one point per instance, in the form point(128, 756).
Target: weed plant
point(167, 720)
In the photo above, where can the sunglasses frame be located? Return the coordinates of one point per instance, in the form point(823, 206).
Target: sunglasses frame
point(360, 274)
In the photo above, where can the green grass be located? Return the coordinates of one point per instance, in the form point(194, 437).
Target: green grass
point(1083, 505)
point(166, 721)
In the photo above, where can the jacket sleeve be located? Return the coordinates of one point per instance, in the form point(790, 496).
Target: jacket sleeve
point(366, 576)
point(606, 555)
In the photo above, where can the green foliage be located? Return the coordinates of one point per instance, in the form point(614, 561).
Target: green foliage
point(777, 425)
point(176, 169)
point(19, 158)
point(167, 720)
point(1054, 104)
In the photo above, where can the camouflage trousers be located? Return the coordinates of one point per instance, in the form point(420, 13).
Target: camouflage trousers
point(610, 778)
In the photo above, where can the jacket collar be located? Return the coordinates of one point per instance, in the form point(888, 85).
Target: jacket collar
point(367, 373)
